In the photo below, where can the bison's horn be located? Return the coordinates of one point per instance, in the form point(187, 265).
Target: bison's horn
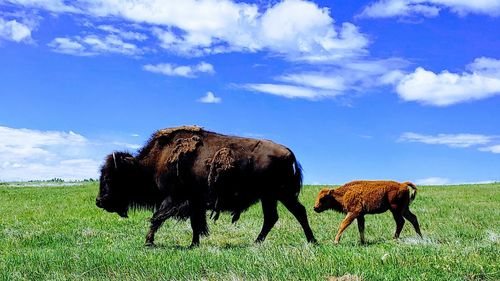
point(114, 160)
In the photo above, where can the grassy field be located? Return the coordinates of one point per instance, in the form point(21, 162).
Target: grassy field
point(57, 233)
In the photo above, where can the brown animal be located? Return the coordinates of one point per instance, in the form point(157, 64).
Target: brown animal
point(183, 172)
point(358, 198)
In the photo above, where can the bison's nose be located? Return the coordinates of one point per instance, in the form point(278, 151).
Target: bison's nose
point(98, 202)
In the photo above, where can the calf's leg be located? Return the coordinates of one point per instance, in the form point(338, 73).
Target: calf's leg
point(400, 222)
point(293, 205)
point(413, 220)
point(269, 208)
point(344, 224)
point(361, 228)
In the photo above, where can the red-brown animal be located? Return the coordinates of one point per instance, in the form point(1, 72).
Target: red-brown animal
point(358, 198)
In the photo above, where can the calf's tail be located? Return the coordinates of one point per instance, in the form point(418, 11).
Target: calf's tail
point(413, 190)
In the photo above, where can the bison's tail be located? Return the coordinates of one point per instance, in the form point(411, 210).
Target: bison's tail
point(413, 190)
point(297, 175)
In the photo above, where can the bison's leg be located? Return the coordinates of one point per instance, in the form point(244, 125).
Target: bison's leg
point(400, 222)
point(198, 223)
point(413, 219)
point(269, 208)
point(298, 210)
point(162, 214)
point(344, 224)
point(361, 228)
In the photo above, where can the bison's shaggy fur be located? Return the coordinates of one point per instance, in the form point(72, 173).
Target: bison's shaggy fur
point(359, 198)
point(183, 172)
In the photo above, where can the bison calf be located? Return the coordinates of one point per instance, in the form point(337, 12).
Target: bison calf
point(358, 198)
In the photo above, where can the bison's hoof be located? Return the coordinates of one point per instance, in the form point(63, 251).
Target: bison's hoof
point(150, 244)
point(312, 241)
point(194, 245)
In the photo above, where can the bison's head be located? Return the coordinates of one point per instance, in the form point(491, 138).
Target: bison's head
point(324, 201)
point(115, 180)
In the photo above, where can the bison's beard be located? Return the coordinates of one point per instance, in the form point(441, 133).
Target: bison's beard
point(122, 214)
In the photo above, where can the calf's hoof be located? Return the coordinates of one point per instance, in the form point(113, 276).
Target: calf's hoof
point(336, 242)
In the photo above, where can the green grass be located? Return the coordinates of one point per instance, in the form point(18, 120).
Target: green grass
point(57, 233)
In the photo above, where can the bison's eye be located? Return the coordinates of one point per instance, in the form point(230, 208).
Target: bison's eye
point(108, 181)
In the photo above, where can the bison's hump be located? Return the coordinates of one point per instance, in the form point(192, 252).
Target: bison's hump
point(168, 131)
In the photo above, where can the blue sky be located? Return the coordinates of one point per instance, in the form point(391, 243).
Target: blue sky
point(379, 89)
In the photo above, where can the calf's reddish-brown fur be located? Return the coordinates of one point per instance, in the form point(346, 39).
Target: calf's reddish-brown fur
point(358, 198)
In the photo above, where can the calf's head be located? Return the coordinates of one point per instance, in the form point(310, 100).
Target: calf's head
point(114, 183)
point(325, 200)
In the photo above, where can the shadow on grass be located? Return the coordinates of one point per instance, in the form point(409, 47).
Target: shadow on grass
point(236, 246)
point(177, 247)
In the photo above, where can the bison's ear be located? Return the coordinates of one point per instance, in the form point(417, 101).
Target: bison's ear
point(331, 192)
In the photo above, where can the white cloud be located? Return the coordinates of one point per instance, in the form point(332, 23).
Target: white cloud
point(452, 140)
point(305, 31)
point(429, 8)
point(94, 45)
point(127, 35)
point(433, 181)
point(69, 46)
point(315, 80)
point(335, 79)
point(13, 30)
point(486, 66)
point(446, 181)
point(296, 29)
point(493, 149)
point(189, 71)
point(287, 91)
point(446, 88)
point(210, 98)
point(57, 6)
point(126, 145)
point(27, 154)
point(484, 143)
point(110, 44)
point(306, 85)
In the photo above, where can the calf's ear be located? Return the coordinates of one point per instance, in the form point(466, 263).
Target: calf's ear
point(331, 192)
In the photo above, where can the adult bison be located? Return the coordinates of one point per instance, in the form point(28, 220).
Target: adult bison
point(183, 172)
